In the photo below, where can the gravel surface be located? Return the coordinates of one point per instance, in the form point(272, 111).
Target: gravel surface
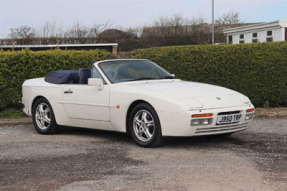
point(82, 159)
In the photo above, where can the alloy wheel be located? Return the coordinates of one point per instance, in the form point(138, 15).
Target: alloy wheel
point(43, 116)
point(143, 125)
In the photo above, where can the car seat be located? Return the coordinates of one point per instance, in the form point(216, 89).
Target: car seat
point(122, 72)
point(84, 75)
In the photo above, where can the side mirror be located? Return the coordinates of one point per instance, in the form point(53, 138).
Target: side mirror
point(173, 75)
point(96, 82)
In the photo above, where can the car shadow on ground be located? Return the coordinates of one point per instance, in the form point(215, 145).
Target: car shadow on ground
point(112, 135)
point(201, 141)
point(169, 142)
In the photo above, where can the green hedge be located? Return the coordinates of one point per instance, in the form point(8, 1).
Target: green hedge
point(258, 70)
point(18, 66)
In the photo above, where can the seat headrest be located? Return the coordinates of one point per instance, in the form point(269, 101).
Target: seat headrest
point(123, 72)
point(84, 75)
point(110, 73)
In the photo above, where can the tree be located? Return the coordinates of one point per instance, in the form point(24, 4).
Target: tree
point(230, 19)
point(22, 32)
point(22, 35)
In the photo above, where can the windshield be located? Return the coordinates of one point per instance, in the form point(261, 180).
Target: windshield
point(133, 70)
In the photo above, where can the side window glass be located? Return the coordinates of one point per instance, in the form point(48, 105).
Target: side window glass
point(96, 74)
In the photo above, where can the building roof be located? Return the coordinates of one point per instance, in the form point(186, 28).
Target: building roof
point(257, 27)
point(59, 45)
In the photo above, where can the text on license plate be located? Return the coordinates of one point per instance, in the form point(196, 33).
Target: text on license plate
point(229, 118)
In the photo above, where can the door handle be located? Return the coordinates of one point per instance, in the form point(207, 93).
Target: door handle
point(68, 92)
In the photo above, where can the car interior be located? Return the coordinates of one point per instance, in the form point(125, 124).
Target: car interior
point(121, 74)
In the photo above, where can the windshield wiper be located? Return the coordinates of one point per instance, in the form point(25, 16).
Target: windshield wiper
point(165, 77)
point(168, 77)
point(142, 79)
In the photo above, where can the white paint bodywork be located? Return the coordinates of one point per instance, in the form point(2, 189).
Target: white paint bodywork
point(174, 100)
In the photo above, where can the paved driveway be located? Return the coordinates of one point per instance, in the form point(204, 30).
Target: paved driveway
point(81, 159)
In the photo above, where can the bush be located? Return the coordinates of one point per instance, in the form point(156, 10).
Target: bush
point(258, 70)
point(18, 66)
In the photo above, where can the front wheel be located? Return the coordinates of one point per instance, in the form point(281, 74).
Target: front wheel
point(144, 126)
point(43, 117)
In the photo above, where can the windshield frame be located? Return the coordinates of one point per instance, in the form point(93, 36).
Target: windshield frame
point(115, 60)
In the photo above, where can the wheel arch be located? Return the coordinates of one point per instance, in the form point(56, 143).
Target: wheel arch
point(131, 107)
point(34, 101)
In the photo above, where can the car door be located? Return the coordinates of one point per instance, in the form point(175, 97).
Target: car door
point(84, 102)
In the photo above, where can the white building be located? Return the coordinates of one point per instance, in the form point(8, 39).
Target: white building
point(261, 32)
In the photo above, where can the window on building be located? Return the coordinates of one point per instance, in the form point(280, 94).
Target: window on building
point(269, 33)
point(254, 35)
point(241, 42)
point(230, 39)
point(255, 40)
point(241, 36)
point(269, 39)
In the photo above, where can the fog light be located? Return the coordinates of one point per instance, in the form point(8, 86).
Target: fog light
point(249, 116)
point(207, 121)
point(195, 122)
point(204, 122)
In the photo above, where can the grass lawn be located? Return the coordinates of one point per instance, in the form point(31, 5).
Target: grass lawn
point(12, 113)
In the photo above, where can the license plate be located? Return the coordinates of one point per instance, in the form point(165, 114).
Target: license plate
point(221, 119)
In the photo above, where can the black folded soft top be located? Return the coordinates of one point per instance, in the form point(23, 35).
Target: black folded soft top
point(63, 77)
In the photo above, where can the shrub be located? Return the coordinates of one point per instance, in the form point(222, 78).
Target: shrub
point(258, 70)
point(18, 66)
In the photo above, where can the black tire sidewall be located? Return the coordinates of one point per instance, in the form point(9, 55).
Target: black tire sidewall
point(52, 126)
point(157, 132)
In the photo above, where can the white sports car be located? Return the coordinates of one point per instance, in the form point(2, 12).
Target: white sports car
point(137, 97)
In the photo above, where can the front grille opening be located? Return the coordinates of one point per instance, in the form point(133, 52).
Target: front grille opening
point(228, 112)
point(229, 128)
point(226, 123)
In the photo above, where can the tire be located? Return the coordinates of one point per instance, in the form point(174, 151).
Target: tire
point(144, 126)
point(43, 117)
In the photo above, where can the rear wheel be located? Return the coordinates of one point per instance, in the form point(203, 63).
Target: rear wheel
point(43, 117)
point(144, 126)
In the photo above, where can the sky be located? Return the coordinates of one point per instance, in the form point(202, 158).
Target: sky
point(15, 13)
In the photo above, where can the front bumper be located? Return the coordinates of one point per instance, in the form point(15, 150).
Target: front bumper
point(25, 108)
point(179, 124)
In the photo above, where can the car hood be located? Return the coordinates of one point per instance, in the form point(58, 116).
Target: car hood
point(194, 94)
